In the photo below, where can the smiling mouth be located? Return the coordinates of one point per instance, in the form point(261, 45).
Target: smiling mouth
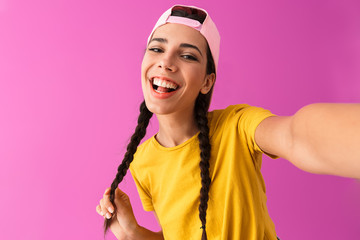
point(163, 86)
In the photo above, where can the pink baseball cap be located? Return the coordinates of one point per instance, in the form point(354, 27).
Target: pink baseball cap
point(207, 28)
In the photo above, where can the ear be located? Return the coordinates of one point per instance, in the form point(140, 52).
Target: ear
point(208, 83)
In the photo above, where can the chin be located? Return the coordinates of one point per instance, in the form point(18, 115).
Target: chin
point(157, 109)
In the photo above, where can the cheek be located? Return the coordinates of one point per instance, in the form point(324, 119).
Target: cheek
point(145, 65)
point(144, 70)
point(198, 76)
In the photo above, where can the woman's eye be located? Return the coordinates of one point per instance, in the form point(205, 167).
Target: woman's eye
point(189, 57)
point(154, 49)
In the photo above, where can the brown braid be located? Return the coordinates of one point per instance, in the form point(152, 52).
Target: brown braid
point(202, 104)
point(140, 131)
point(201, 107)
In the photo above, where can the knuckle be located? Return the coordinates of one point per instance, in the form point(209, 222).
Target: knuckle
point(98, 209)
point(107, 192)
point(103, 205)
point(107, 203)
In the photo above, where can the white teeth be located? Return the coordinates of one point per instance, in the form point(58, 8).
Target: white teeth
point(163, 83)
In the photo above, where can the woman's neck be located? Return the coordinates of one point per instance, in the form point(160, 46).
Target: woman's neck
point(176, 128)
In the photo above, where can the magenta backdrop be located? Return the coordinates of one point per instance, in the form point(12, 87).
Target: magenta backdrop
point(70, 90)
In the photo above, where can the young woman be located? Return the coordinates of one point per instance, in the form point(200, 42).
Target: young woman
point(200, 174)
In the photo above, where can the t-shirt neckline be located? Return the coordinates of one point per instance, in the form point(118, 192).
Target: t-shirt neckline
point(162, 148)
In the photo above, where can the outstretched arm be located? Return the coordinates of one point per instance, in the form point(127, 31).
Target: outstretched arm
point(320, 138)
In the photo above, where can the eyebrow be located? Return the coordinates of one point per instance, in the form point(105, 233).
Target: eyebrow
point(182, 45)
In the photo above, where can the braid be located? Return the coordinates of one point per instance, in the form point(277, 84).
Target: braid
point(201, 108)
point(140, 131)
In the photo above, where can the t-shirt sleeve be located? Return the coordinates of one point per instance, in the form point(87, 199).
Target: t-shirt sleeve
point(144, 193)
point(249, 119)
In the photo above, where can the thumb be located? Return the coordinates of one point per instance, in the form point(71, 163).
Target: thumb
point(124, 212)
point(121, 199)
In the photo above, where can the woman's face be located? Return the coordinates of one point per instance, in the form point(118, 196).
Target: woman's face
point(173, 70)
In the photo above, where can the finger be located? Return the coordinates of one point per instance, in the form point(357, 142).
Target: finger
point(121, 200)
point(118, 191)
point(107, 203)
point(103, 209)
point(98, 210)
point(107, 192)
point(101, 213)
point(120, 195)
point(106, 207)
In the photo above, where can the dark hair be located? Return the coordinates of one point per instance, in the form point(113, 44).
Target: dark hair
point(202, 104)
point(140, 131)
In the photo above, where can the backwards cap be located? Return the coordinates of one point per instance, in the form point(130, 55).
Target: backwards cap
point(207, 28)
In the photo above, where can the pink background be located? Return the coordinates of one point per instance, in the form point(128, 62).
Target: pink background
point(70, 90)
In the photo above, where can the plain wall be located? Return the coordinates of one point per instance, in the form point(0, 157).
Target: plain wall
point(70, 91)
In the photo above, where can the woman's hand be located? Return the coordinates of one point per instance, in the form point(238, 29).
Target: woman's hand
point(123, 223)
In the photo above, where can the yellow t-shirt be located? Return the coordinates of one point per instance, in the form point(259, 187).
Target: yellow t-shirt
point(168, 180)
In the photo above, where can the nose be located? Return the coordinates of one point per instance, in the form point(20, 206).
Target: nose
point(167, 63)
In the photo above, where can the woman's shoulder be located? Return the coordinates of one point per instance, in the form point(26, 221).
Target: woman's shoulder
point(236, 109)
point(142, 150)
point(221, 114)
point(144, 145)
point(236, 115)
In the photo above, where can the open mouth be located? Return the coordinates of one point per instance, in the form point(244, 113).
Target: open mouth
point(163, 86)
